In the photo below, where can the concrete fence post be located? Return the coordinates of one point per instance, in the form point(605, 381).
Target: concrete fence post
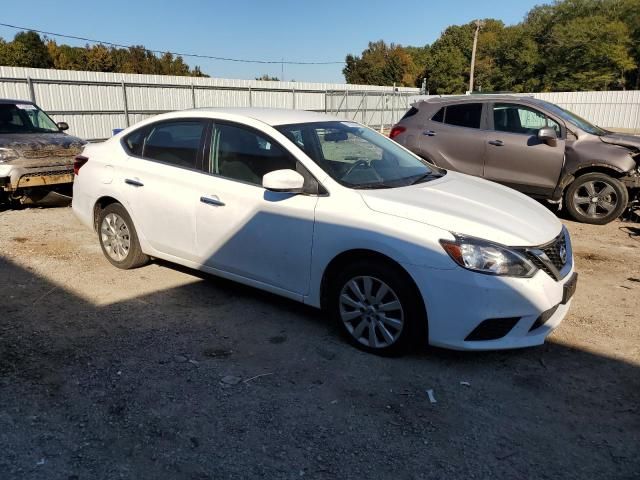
point(125, 105)
point(32, 92)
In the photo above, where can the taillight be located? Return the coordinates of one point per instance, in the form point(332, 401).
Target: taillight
point(396, 130)
point(78, 162)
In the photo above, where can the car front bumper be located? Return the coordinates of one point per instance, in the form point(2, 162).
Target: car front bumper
point(472, 311)
point(17, 177)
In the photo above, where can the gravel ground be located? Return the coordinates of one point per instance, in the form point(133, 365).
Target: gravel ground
point(163, 373)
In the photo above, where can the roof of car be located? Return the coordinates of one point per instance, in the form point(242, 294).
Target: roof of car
point(476, 98)
point(9, 100)
point(273, 116)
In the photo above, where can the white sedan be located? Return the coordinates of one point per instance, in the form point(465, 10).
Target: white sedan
point(332, 214)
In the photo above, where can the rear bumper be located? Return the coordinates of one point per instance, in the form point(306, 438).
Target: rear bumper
point(458, 302)
point(14, 177)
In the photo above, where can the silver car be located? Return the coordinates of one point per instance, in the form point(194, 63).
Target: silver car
point(531, 145)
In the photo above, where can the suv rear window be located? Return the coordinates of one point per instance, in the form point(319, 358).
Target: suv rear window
point(464, 115)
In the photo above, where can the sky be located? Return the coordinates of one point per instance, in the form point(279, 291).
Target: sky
point(301, 30)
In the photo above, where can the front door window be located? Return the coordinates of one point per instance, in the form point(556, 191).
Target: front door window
point(512, 118)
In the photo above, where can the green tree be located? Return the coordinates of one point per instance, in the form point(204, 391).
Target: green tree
point(588, 53)
point(446, 71)
point(381, 64)
point(268, 78)
point(99, 59)
point(28, 50)
point(4, 52)
point(64, 57)
point(517, 62)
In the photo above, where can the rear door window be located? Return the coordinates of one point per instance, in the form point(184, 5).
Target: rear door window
point(464, 115)
point(175, 142)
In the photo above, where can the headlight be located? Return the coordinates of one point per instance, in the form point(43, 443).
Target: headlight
point(489, 258)
point(7, 154)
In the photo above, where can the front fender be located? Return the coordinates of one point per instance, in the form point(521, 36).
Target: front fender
point(589, 154)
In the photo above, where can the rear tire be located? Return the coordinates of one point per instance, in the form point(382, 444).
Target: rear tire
point(118, 238)
point(596, 198)
point(378, 307)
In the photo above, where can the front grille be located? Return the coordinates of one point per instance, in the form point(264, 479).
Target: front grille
point(49, 151)
point(538, 263)
point(53, 173)
point(551, 251)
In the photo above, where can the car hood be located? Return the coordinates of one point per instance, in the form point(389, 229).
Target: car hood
point(469, 206)
point(39, 149)
point(623, 140)
point(34, 141)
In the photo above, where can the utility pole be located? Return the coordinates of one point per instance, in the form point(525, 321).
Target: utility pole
point(479, 25)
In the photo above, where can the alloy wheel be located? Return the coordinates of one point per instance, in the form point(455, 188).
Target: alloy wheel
point(371, 311)
point(595, 199)
point(115, 237)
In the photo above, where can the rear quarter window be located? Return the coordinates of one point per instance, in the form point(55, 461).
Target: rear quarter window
point(135, 141)
point(438, 117)
point(410, 113)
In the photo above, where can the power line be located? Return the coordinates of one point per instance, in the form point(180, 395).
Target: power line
point(193, 55)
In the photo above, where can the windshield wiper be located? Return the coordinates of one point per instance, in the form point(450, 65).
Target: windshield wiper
point(425, 177)
point(371, 186)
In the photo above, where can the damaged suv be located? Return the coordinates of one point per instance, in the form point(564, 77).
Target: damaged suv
point(531, 145)
point(36, 156)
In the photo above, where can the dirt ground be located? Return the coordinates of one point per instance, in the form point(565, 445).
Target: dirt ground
point(161, 373)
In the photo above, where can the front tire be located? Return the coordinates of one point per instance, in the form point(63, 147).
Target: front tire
point(378, 307)
point(596, 198)
point(118, 238)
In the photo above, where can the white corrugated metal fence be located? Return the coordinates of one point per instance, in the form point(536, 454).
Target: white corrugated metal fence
point(95, 103)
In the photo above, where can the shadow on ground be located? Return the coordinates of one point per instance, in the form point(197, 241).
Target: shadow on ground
point(216, 380)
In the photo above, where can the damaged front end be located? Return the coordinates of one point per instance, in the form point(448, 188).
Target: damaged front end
point(34, 166)
point(632, 181)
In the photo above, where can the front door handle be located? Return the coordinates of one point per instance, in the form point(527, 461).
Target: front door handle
point(212, 200)
point(429, 133)
point(134, 182)
point(497, 143)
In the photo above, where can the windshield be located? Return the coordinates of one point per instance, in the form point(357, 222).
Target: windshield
point(579, 122)
point(359, 157)
point(25, 118)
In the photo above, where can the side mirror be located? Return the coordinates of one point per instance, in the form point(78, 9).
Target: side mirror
point(62, 126)
point(288, 181)
point(548, 135)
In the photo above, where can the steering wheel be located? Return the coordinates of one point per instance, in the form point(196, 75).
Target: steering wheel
point(359, 163)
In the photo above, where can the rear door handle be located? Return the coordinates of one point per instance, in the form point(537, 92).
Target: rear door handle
point(133, 182)
point(497, 143)
point(429, 133)
point(212, 200)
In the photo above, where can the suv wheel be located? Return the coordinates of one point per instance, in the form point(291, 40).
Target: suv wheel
point(378, 307)
point(118, 238)
point(596, 198)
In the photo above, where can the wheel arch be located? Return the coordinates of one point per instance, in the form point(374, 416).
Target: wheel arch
point(344, 258)
point(102, 203)
point(571, 177)
point(605, 168)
